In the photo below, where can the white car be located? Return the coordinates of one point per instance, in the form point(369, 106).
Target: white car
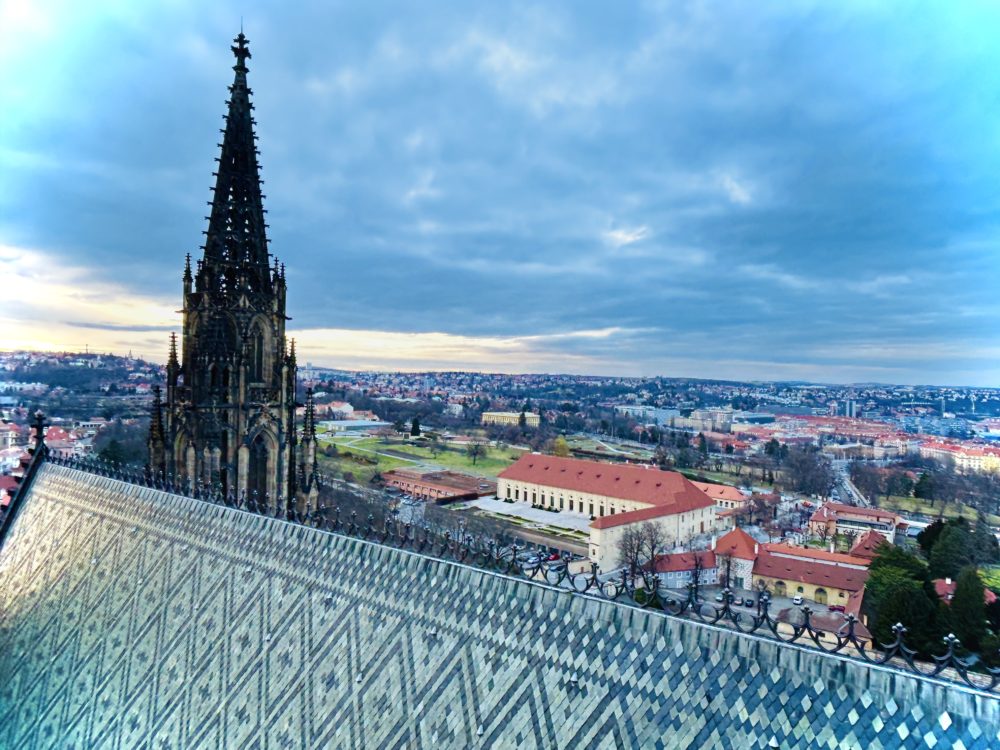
point(797, 599)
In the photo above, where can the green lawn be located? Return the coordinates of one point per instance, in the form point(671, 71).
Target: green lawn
point(448, 457)
point(918, 505)
point(991, 576)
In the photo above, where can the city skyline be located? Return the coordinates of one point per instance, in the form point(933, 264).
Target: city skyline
point(589, 192)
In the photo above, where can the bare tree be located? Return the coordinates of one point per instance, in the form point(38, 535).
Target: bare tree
point(630, 548)
point(476, 451)
point(653, 542)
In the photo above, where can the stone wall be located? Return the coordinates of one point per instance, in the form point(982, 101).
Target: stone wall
point(133, 618)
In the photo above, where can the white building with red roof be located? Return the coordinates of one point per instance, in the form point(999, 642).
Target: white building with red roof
point(837, 518)
point(735, 554)
point(615, 496)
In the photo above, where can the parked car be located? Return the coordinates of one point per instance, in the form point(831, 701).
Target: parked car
point(718, 597)
point(797, 599)
point(837, 608)
point(749, 602)
point(553, 556)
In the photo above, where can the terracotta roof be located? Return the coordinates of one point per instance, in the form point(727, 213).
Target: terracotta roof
point(945, 589)
point(867, 543)
point(737, 543)
point(641, 484)
point(834, 510)
point(814, 570)
point(682, 561)
point(811, 553)
point(632, 516)
point(720, 491)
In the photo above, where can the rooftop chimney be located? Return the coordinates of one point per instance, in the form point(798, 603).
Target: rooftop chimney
point(947, 581)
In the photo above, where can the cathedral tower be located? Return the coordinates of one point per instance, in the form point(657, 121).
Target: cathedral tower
point(228, 416)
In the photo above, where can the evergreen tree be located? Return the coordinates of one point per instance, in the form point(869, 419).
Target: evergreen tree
point(987, 550)
point(929, 536)
point(952, 552)
point(905, 601)
point(924, 488)
point(702, 444)
point(968, 609)
point(415, 427)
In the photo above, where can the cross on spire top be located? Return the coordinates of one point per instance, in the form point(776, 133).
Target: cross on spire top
point(241, 50)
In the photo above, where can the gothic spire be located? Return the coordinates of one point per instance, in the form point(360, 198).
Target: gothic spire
point(309, 423)
point(236, 243)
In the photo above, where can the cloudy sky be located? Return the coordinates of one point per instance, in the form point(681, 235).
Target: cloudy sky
point(709, 189)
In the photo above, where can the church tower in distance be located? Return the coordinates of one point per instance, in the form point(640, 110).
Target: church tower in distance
point(229, 414)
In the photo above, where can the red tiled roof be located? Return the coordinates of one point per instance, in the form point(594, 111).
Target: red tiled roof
point(833, 510)
point(945, 589)
point(720, 491)
point(811, 553)
point(640, 484)
point(737, 543)
point(814, 569)
point(681, 561)
point(632, 516)
point(867, 543)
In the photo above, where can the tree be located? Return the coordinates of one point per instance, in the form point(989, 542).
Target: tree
point(560, 447)
point(987, 550)
point(899, 590)
point(952, 552)
point(924, 488)
point(113, 452)
point(899, 485)
point(702, 444)
point(476, 451)
point(929, 536)
point(415, 427)
point(630, 547)
point(967, 612)
point(654, 541)
point(809, 472)
point(399, 425)
point(522, 421)
point(434, 445)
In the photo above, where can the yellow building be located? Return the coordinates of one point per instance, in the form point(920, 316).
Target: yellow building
point(817, 575)
point(512, 418)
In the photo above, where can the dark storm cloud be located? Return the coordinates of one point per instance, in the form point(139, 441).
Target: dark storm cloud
point(808, 189)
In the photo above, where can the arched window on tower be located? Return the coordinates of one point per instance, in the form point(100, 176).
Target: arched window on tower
point(257, 469)
point(257, 355)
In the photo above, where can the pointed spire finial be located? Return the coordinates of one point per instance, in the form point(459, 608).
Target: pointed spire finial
point(241, 51)
point(173, 349)
point(187, 267)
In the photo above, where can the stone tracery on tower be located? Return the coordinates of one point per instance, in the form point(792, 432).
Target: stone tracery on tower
point(228, 416)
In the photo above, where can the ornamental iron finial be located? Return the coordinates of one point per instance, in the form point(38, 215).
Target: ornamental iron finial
point(241, 51)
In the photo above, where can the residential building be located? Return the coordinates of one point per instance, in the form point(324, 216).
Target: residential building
point(821, 576)
point(735, 554)
point(676, 570)
point(728, 500)
point(512, 418)
point(837, 518)
point(945, 589)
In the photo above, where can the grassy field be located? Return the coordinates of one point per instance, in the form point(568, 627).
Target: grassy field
point(925, 507)
point(991, 576)
point(448, 457)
